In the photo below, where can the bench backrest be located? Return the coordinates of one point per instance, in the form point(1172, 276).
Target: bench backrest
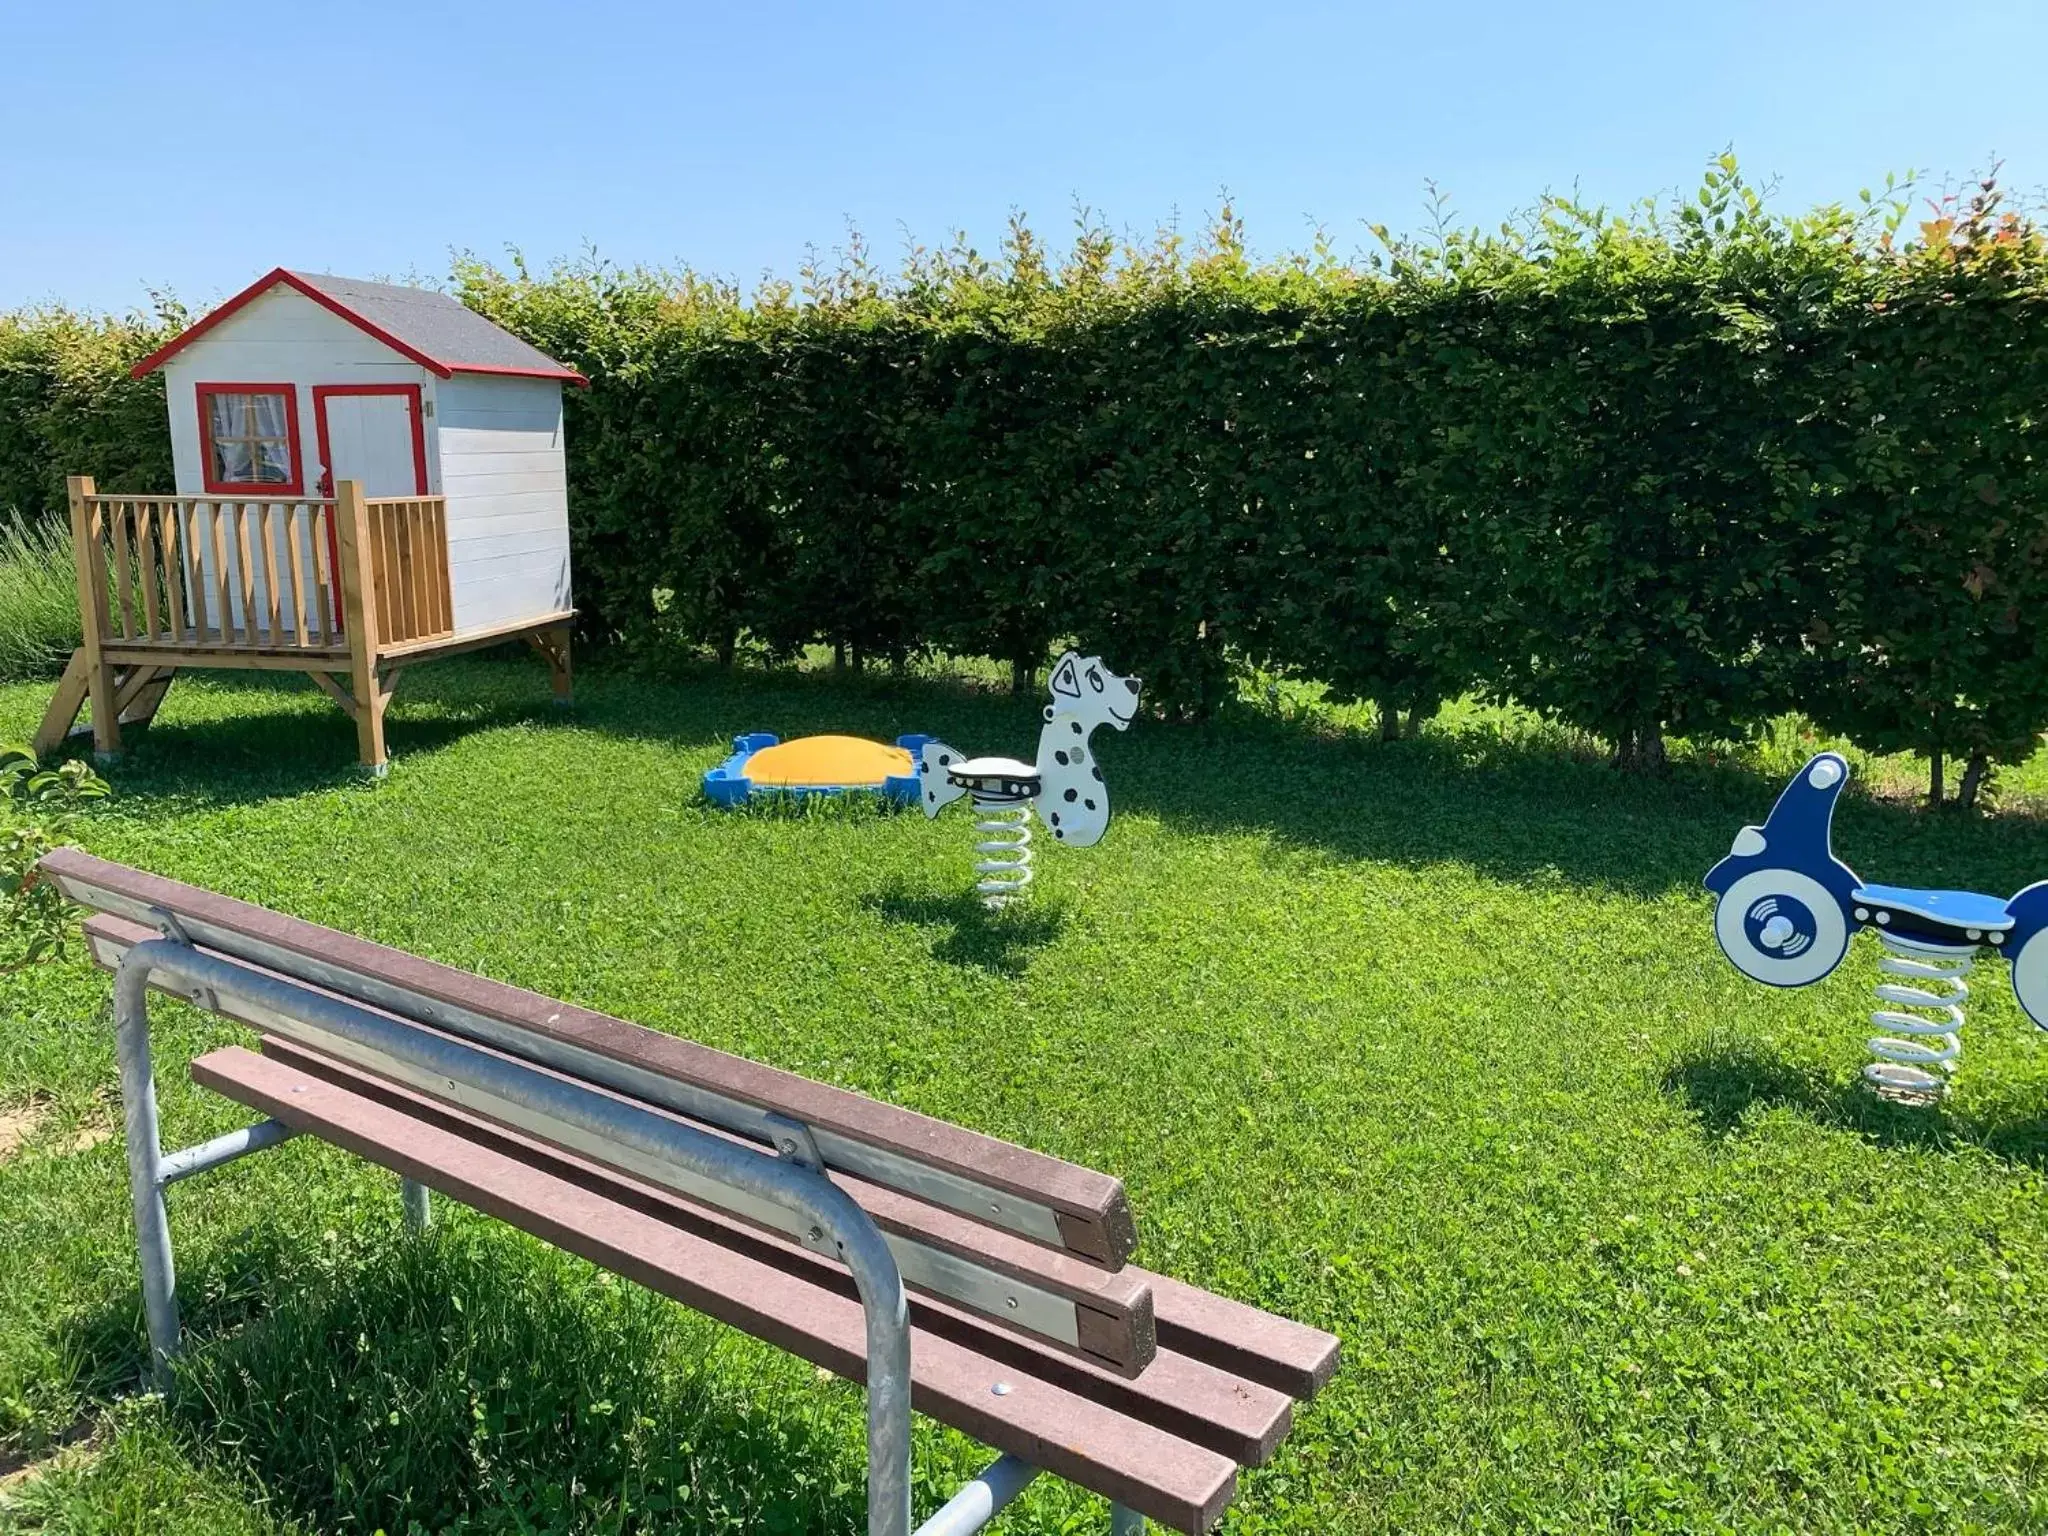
point(1024, 1239)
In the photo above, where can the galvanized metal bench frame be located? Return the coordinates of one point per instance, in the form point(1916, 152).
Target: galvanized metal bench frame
point(790, 1178)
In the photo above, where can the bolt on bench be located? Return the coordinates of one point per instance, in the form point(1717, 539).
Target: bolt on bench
point(980, 1282)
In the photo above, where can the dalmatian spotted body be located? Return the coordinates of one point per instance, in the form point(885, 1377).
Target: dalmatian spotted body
point(1072, 800)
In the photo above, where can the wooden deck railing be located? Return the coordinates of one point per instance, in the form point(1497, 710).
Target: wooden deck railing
point(408, 538)
point(192, 574)
point(204, 573)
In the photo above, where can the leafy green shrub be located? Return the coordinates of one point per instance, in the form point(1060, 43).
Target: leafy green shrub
point(1930, 562)
point(39, 807)
point(68, 406)
point(39, 626)
point(1679, 471)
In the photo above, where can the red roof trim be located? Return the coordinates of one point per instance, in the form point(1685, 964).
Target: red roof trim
point(566, 375)
point(278, 275)
point(263, 285)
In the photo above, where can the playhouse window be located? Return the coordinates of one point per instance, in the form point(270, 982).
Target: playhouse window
point(251, 438)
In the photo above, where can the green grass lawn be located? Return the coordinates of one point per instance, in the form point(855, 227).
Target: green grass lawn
point(1425, 1043)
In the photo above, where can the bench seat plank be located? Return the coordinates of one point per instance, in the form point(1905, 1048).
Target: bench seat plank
point(1276, 1351)
point(1174, 1481)
point(1089, 1213)
point(1187, 1397)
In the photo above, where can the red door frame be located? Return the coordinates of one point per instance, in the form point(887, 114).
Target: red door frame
point(326, 486)
point(419, 429)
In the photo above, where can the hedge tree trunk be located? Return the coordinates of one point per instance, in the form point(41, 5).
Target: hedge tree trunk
point(1974, 773)
point(1640, 749)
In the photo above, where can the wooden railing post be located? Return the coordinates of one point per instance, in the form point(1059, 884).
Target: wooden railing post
point(359, 618)
point(92, 614)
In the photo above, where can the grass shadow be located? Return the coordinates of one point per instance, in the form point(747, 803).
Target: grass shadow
point(1721, 1084)
point(472, 1379)
point(969, 934)
point(1536, 807)
point(1516, 800)
point(219, 1293)
point(230, 757)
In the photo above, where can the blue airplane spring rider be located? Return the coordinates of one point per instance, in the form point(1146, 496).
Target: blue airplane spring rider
point(1788, 907)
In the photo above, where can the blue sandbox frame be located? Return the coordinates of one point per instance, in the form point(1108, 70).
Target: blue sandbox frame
point(727, 785)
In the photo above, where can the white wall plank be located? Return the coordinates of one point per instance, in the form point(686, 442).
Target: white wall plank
point(507, 483)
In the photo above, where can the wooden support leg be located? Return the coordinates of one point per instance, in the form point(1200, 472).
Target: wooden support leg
point(553, 645)
point(106, 714)
point(371, 697)
point(65, 704)
point(359, 620)
point(140, 693)
point(366, 707)
point(90, 561)
point(336, 692)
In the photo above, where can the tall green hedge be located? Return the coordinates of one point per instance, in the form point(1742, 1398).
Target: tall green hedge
point(68, 407)
point(1680, 471)
point(1675, 471)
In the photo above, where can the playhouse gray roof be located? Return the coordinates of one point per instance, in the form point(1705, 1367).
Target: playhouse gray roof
point(435, 324)
point(431, 328)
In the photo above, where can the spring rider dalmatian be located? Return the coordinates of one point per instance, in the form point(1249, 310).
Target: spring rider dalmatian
point(1788, 907)
point(1065, 785)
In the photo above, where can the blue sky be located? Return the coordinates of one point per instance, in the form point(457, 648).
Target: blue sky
point(193, 146)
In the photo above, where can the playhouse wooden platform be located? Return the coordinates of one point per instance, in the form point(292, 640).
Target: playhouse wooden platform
point(350, 590)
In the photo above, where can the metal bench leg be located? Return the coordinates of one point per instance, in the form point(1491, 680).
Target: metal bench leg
point(419, 1204)
point(145, 1168)
point(793, 1181)
point(1125, 1522)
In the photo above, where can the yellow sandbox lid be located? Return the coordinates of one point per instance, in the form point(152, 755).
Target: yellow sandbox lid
point(808, 761)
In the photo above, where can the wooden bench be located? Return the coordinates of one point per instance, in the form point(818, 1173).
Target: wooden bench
point(984, 1284)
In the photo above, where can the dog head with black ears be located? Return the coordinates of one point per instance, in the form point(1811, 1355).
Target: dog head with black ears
point(1087, 692)
point(1072, 800)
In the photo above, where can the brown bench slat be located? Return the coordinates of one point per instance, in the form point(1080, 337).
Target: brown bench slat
point(1104, 1314)
point(1275, 1351)
point(1171, 1480)
point(1088, 1212)
point(1186, 1397)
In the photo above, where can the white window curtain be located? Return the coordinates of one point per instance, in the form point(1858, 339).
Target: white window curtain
point(233, 463)
point(251, 445)
point(273, 448)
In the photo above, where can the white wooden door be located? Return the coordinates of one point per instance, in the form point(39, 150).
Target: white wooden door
point(374, 438)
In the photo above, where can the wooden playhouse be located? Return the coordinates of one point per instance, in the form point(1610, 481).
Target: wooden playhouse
point(368, 476)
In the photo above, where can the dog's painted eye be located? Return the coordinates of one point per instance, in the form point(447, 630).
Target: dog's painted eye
point(1095, 680)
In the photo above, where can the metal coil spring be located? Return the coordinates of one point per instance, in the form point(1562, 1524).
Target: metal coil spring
point(1005, 849)
point(1919, 1048)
